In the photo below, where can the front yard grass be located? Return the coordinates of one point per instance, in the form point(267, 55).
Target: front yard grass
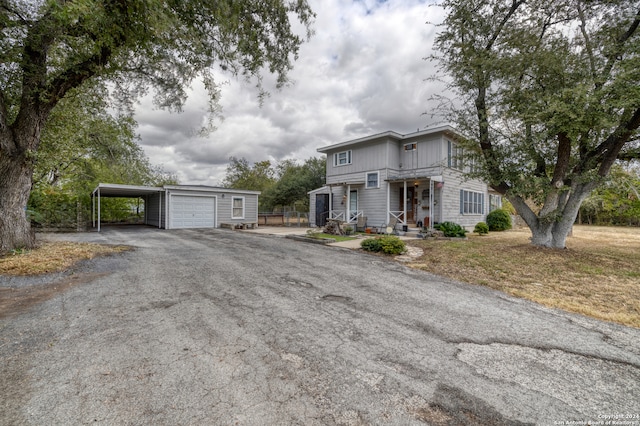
point(53, 257)
point(338, 238)
point(597, 275)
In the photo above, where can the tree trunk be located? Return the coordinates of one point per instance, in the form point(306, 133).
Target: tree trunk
point(554, 234)
point(15, 185)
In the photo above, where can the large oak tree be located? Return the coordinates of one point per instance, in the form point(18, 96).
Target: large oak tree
point(548, 95)
point(49, 47)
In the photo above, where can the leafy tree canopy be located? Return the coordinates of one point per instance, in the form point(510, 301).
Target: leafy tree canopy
point(294, 182)
point(282, 184)
point(242, 175)
point(549, 98)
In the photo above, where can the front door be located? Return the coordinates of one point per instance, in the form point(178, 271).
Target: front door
point(410, 203)
point(322, 209)
point(353, 202)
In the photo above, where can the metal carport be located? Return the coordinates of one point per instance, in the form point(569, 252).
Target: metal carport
point(112, 190)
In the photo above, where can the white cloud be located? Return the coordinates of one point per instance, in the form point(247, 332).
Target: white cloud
point(361, 73)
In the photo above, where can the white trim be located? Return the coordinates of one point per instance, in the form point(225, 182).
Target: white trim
point(366, 180)
point(348, 158)
point(233, 198)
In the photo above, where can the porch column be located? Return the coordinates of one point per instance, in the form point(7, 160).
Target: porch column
point(348, 217)
point(404, 204)
point(160, 211)
point(430, 204)
point(330, 200)
point(388, 202)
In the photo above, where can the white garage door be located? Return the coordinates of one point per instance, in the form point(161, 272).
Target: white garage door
point(188, 211)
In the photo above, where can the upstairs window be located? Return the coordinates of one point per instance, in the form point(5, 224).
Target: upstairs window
point(373, 180)
point(342, 158)
point(454, 156)
point(410, 146)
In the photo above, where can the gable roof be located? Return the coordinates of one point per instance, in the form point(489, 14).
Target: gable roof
point(391, 135)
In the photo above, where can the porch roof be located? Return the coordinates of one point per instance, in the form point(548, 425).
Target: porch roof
point(393, 179)
point(350, 182)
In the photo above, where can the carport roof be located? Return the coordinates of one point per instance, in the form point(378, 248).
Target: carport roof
point(132, 191)
point(116, 190)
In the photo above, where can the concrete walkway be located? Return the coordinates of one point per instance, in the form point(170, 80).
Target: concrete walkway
point(283, 231)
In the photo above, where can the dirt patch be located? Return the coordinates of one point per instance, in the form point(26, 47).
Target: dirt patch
point(15, 301)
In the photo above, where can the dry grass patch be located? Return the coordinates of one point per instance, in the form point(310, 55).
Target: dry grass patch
point(597, 275)
point(53, 257)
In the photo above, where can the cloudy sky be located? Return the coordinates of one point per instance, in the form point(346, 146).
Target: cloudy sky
point(362, 73)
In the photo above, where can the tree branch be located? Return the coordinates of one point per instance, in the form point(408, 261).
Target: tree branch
point(614, 55)
point(77, 75)
point(609, 150)
point(587, 41)
point(563, 161)
point(515, 4)
point(630, 155)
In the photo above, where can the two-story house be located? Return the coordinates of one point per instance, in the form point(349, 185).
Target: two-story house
point(417, 178)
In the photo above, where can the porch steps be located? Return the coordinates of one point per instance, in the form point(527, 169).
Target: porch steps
point(412, 232)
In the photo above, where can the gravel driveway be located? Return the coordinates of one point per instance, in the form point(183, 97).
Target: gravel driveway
point(217, 327)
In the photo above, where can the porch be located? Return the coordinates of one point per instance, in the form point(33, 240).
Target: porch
point(408, 203)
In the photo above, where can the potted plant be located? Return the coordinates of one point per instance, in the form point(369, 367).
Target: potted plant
point(348, 230)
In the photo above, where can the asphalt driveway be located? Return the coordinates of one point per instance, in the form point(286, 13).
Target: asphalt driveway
point(228, 328)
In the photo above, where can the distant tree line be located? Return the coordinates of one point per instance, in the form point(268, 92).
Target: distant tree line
point(284, 184)
point(617, 202)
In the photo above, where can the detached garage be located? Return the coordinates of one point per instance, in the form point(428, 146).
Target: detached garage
point(185, 206)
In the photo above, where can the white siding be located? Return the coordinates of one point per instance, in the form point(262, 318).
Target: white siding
point(386, 154)
point(373, 156)
point(454, 182)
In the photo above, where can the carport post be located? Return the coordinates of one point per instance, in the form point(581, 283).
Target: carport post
point(98, 208)
point(160, 211)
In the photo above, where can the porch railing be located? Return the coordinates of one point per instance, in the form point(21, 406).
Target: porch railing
point(399, 215)
point(342, 215)
point(336, 214)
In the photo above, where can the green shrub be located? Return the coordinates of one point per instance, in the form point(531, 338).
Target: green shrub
point(371, 244)
point(451, 229)
point(481, 228)
point(389, 244)
point(499, 220)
